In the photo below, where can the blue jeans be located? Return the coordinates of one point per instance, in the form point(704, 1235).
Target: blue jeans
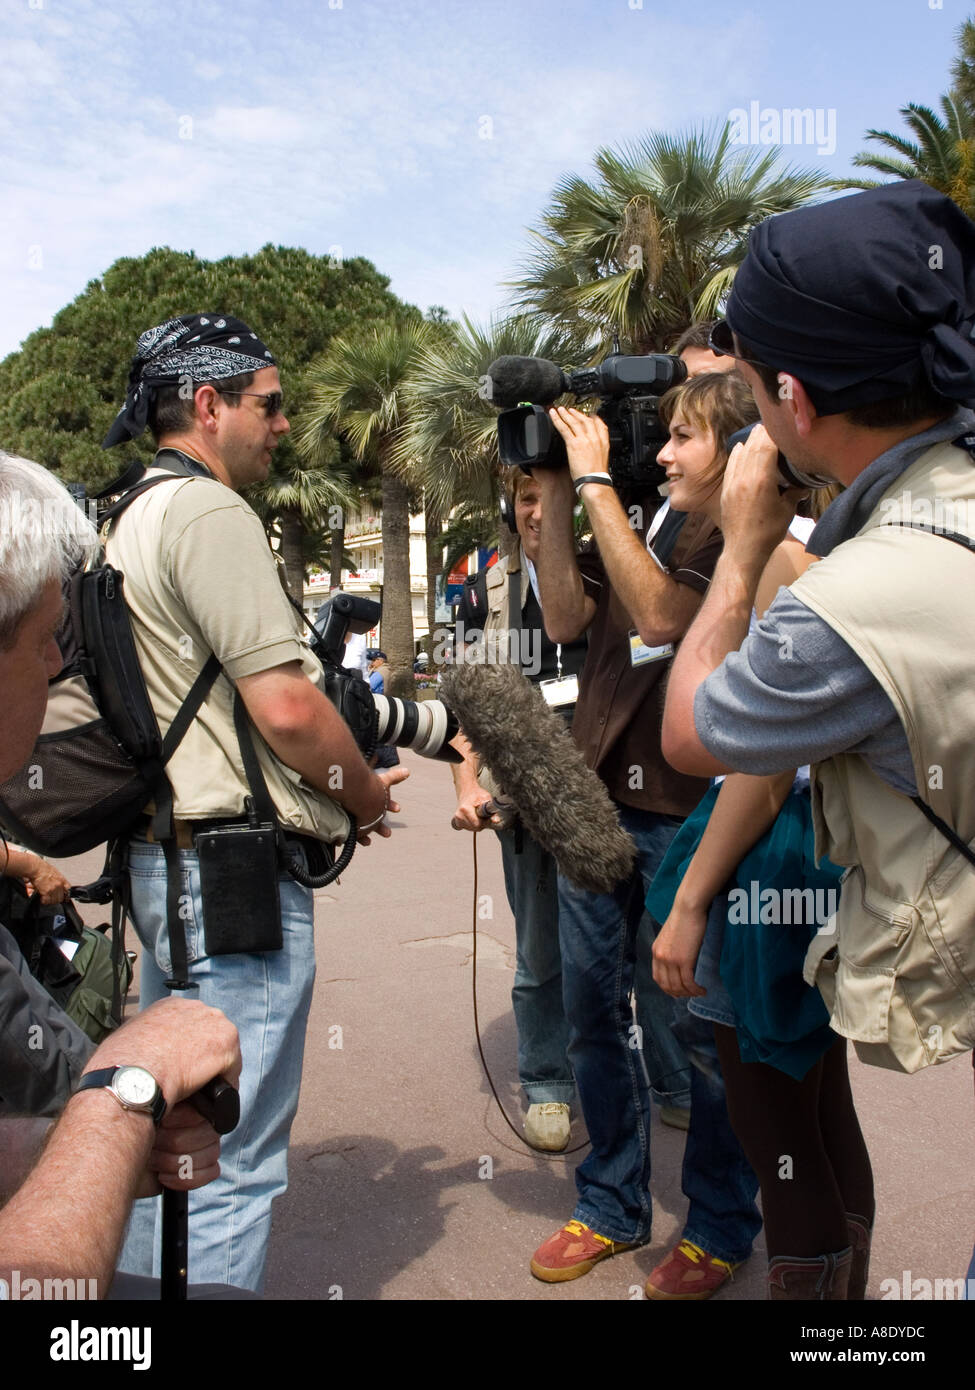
point(267, 995)
point(531, 883)
point(716, 1004)
point(598, 933)
point(657, 1013)
point(718, 1181)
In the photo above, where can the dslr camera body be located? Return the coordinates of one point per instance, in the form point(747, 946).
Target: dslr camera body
point(426, 727)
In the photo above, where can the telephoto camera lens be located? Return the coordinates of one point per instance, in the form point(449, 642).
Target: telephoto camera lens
point(426, 727)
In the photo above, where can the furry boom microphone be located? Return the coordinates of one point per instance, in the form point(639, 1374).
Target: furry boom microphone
point(530, 752)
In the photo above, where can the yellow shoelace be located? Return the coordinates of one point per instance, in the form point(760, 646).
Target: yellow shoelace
point(695, 1253)
point(577, 1228)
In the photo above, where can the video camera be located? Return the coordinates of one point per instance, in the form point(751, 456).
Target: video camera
point(629, 389)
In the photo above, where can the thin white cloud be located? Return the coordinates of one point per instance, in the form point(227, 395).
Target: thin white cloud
point(201, 127)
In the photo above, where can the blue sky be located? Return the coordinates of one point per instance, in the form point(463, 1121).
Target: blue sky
point(423, 134)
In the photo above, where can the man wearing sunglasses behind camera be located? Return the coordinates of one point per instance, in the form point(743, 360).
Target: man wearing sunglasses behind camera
point(200, 581)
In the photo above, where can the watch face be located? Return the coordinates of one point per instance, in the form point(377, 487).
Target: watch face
point(135, 1085)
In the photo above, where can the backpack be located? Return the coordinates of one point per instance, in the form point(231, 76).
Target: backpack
point(100, 758)
point(90, 980)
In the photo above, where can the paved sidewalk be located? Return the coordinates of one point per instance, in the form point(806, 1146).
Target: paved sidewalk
point(405, 1181)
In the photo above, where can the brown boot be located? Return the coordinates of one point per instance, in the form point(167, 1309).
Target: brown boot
point(860, 1241)
point(824, 1278)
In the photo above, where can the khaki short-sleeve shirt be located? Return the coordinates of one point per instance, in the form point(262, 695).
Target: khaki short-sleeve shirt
point(199, 577)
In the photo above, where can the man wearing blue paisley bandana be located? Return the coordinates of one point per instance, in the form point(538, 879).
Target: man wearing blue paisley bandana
point(200, 578)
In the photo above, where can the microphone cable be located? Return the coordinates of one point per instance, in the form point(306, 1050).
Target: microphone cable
point(540, 1153)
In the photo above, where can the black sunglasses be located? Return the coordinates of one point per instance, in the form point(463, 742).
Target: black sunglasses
point(721, 341)
point(273, 400)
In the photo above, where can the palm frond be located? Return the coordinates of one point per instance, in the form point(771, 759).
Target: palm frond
point(641, 243)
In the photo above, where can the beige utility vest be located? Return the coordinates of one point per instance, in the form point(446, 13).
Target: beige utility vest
point(897, 967)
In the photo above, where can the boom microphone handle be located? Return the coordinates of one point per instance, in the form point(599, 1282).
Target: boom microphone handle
point(531, 753)
point(504, 810)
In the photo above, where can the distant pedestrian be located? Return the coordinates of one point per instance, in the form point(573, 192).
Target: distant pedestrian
point(378, 673)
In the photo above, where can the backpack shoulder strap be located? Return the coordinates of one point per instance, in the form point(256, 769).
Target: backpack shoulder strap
point(129, 496)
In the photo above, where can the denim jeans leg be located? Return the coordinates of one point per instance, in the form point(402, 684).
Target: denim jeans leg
point(598, 932)
point(718, 1181)
point(267, 995)
point(668, 1070)
point(666, 1061)
point(531, 883)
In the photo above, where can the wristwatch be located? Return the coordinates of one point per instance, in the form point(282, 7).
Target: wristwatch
point(133, 1087)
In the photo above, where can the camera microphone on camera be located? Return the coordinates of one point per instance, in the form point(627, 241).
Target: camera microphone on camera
point(514, 380)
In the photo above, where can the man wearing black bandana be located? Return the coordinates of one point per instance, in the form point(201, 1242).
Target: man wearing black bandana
point(853, 323)
point(200, 579)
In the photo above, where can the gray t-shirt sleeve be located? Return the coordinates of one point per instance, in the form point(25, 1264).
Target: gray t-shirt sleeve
point(796, 693)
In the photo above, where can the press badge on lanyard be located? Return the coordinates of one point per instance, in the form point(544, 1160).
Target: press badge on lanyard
point(559, 691)
point(642, 655)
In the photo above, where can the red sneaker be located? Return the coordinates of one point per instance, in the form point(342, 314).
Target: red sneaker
point(572, 1252)
point(688, 1273)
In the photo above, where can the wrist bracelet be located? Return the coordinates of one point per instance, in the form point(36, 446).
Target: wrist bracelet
point(379, 819)
point(603, 478)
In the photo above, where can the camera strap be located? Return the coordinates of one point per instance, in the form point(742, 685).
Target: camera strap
point(266, 814)
point(950, 835)
point(263, 806)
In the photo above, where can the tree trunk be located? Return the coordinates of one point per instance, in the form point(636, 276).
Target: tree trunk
point(335, 559)
point(434, 536)
point(292, 530)
point(396, 633)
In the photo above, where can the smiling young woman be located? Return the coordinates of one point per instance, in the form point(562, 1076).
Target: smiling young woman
point(701, 414)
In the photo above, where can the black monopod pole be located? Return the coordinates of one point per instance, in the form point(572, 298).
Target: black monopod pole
point(219, 1103)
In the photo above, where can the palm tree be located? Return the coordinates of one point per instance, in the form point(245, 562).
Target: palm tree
point(448, 444)
point(450, 437)
point(963, 70)
point(295, 501)
point(942, 153)
point(652, 245)
point(471, 527)
point(362, 480)
point(358, 387)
